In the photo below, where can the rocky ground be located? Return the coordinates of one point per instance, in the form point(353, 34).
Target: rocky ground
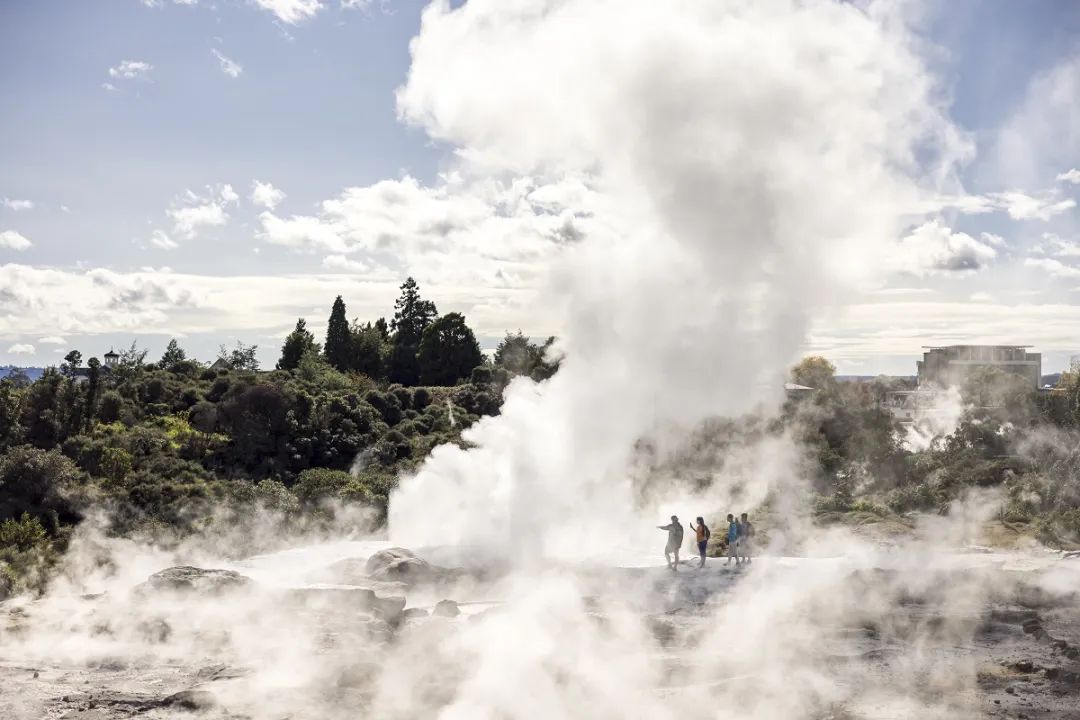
point(383, 634)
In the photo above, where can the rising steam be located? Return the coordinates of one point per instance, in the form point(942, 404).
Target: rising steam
point(748, 162)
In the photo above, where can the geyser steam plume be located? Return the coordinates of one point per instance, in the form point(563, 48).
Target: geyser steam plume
point(739, 166)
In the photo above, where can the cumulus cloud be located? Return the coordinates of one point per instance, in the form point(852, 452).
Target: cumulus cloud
point(21, 349)
point(192, 212)
point(53, 340)
point(1053, 267)
point(1022, 206)
point(160, 239)
point(131, 70)
point(933, 248)
point(17, 205)
point(228, 66)
point(291, 11)
point(265, 195)
point(12, 240)
point(470, 230)
point(1070, 176)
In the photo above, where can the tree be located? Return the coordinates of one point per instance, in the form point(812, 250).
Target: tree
point(815, 372)
point(10, 410)
point(72, 361)
point(37, 482)
point(520, 356)
point(369, 350)
point(383, 329)
point(448, 351)
point(93, 387)
point(174, 355)
point(298, 342)
point(241, 357)
point(133, 357)
point(18, 377)
point(338, 348)
point(412, 315)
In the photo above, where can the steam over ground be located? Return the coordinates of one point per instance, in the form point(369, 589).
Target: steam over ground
point(740, 166)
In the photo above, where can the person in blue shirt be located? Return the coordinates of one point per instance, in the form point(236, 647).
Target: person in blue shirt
point(732, 540)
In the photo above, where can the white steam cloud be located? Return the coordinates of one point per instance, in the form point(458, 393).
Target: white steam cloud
point(752, 161)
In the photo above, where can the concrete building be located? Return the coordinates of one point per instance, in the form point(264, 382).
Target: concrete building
point(950, 365)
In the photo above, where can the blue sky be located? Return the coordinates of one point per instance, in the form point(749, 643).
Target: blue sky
point(137, 131)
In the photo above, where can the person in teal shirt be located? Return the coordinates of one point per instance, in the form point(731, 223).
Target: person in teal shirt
point(732, 540)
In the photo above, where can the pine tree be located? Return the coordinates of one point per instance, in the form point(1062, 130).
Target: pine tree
point(412, 315)
point(173, 354)
point(338, 348)
point(299, 341)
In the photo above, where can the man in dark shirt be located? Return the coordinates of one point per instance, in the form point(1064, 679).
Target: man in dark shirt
point(674, 541)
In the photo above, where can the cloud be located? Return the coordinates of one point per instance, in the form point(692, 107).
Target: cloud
point(1022, 206)
point(932, 248)
point(191, 212)
point(229, 67)
point(110, 87)
point(981, 297)
point(131, 70)
point(17, 205)
point(1054, 245)
point(12, 240)
point(160, 239)
point(1018, 204)
point(34, 300)
point(340, 262)
point(1052, 267)
point(291, 11)
point(265, 195)
point(53, 340)
point(21, 349)
point(1070, 176)
point(465, 230)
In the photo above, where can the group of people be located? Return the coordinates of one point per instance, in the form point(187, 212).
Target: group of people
point(739, 538)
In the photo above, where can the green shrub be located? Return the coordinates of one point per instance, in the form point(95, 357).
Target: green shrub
point(23, 534)
point(317, 484)
point(404, 397)
point(110, 407)
point(421, 398)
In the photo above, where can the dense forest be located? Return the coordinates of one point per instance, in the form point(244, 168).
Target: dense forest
point(168, 445)
point(171, 446)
